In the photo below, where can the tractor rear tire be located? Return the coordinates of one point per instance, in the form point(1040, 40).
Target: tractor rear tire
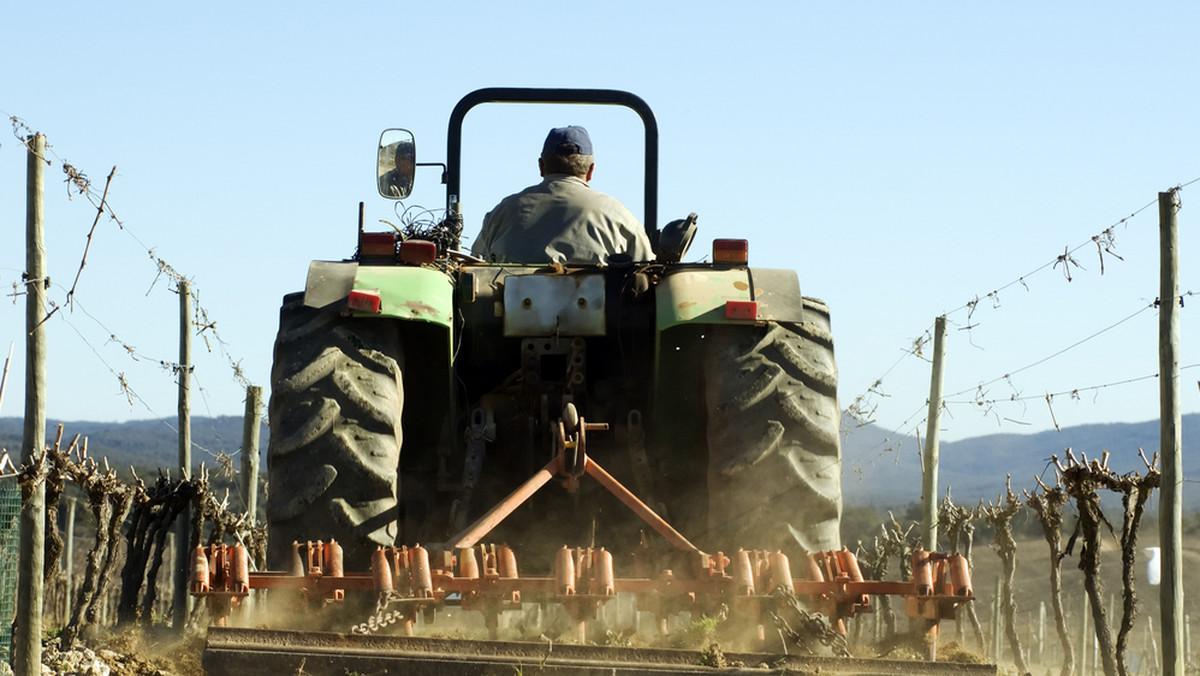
point(332, 460)
point(774, 469)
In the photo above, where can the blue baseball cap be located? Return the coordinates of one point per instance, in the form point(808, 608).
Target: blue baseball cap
point(573, 135)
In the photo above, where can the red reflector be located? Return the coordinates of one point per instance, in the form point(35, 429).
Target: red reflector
point(741, 309)
point(364, 300)
point(418, 252)
point(378, 244)
point(731, 250)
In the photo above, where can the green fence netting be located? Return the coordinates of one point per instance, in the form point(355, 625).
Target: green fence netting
point(10, 539)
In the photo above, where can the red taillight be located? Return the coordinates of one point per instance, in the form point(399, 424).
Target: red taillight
point(378, 244)
point(418, 252)
point(731, 251)
point(741, 309)
point(364, 300)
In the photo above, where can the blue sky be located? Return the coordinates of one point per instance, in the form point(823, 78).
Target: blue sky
point(904, 158)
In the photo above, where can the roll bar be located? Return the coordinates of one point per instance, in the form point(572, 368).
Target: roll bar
point(534, 95)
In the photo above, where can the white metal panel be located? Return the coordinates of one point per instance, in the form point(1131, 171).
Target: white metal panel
point(554, 305)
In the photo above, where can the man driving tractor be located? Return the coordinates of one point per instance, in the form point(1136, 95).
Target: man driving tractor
point(562, 219)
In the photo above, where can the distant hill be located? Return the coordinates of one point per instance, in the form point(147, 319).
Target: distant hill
point(877, 470)
point(882, 471)
point(142, 443)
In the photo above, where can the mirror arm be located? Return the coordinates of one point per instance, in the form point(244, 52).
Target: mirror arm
point(435, 164)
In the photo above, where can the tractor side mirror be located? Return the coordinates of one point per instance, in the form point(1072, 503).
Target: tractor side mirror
point(396, 165)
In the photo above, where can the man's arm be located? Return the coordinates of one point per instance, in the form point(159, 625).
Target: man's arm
point(483, 241)
point(632, 234)
point(639, 246)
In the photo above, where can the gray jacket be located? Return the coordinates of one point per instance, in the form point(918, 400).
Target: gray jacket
point(562, 220)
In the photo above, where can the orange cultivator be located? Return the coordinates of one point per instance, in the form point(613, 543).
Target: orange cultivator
point(485, 578)
point(414, 581)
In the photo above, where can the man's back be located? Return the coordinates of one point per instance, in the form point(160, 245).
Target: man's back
point(563, 220)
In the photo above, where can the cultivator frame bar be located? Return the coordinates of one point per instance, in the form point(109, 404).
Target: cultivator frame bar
point(485, 577)
point(253, 652)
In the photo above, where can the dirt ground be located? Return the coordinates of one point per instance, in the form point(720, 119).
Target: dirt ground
point(126, 653)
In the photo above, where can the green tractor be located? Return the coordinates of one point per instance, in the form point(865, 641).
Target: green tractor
point(415, 386)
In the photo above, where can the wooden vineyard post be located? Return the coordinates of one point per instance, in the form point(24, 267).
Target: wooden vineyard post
point(69, 574)
point(250, 434)
point(1153, 645)
point(1085, 640)
point(929, 479)
point(1170, 422)
point(1041, 633)
point(1187, 637)
point(997, 632)
point(27, 641)
point(183, 525)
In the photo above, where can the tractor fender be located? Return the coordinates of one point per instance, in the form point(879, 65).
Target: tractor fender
point(406, 292)
point(703, 296)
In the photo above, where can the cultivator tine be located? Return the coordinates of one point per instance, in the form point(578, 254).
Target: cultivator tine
point(468, 567)
point(960, 576)
point(781, 573)
point(506, 565)
point(402, 576)
point(199, 581)
point(603, 581)
point(421, 577)
point(381, 572)
point(325, 560)
point(923, 568)
point(220, 573)
point(743, 574)
point(584, 581)
point(296, 562)
point(564, 572)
